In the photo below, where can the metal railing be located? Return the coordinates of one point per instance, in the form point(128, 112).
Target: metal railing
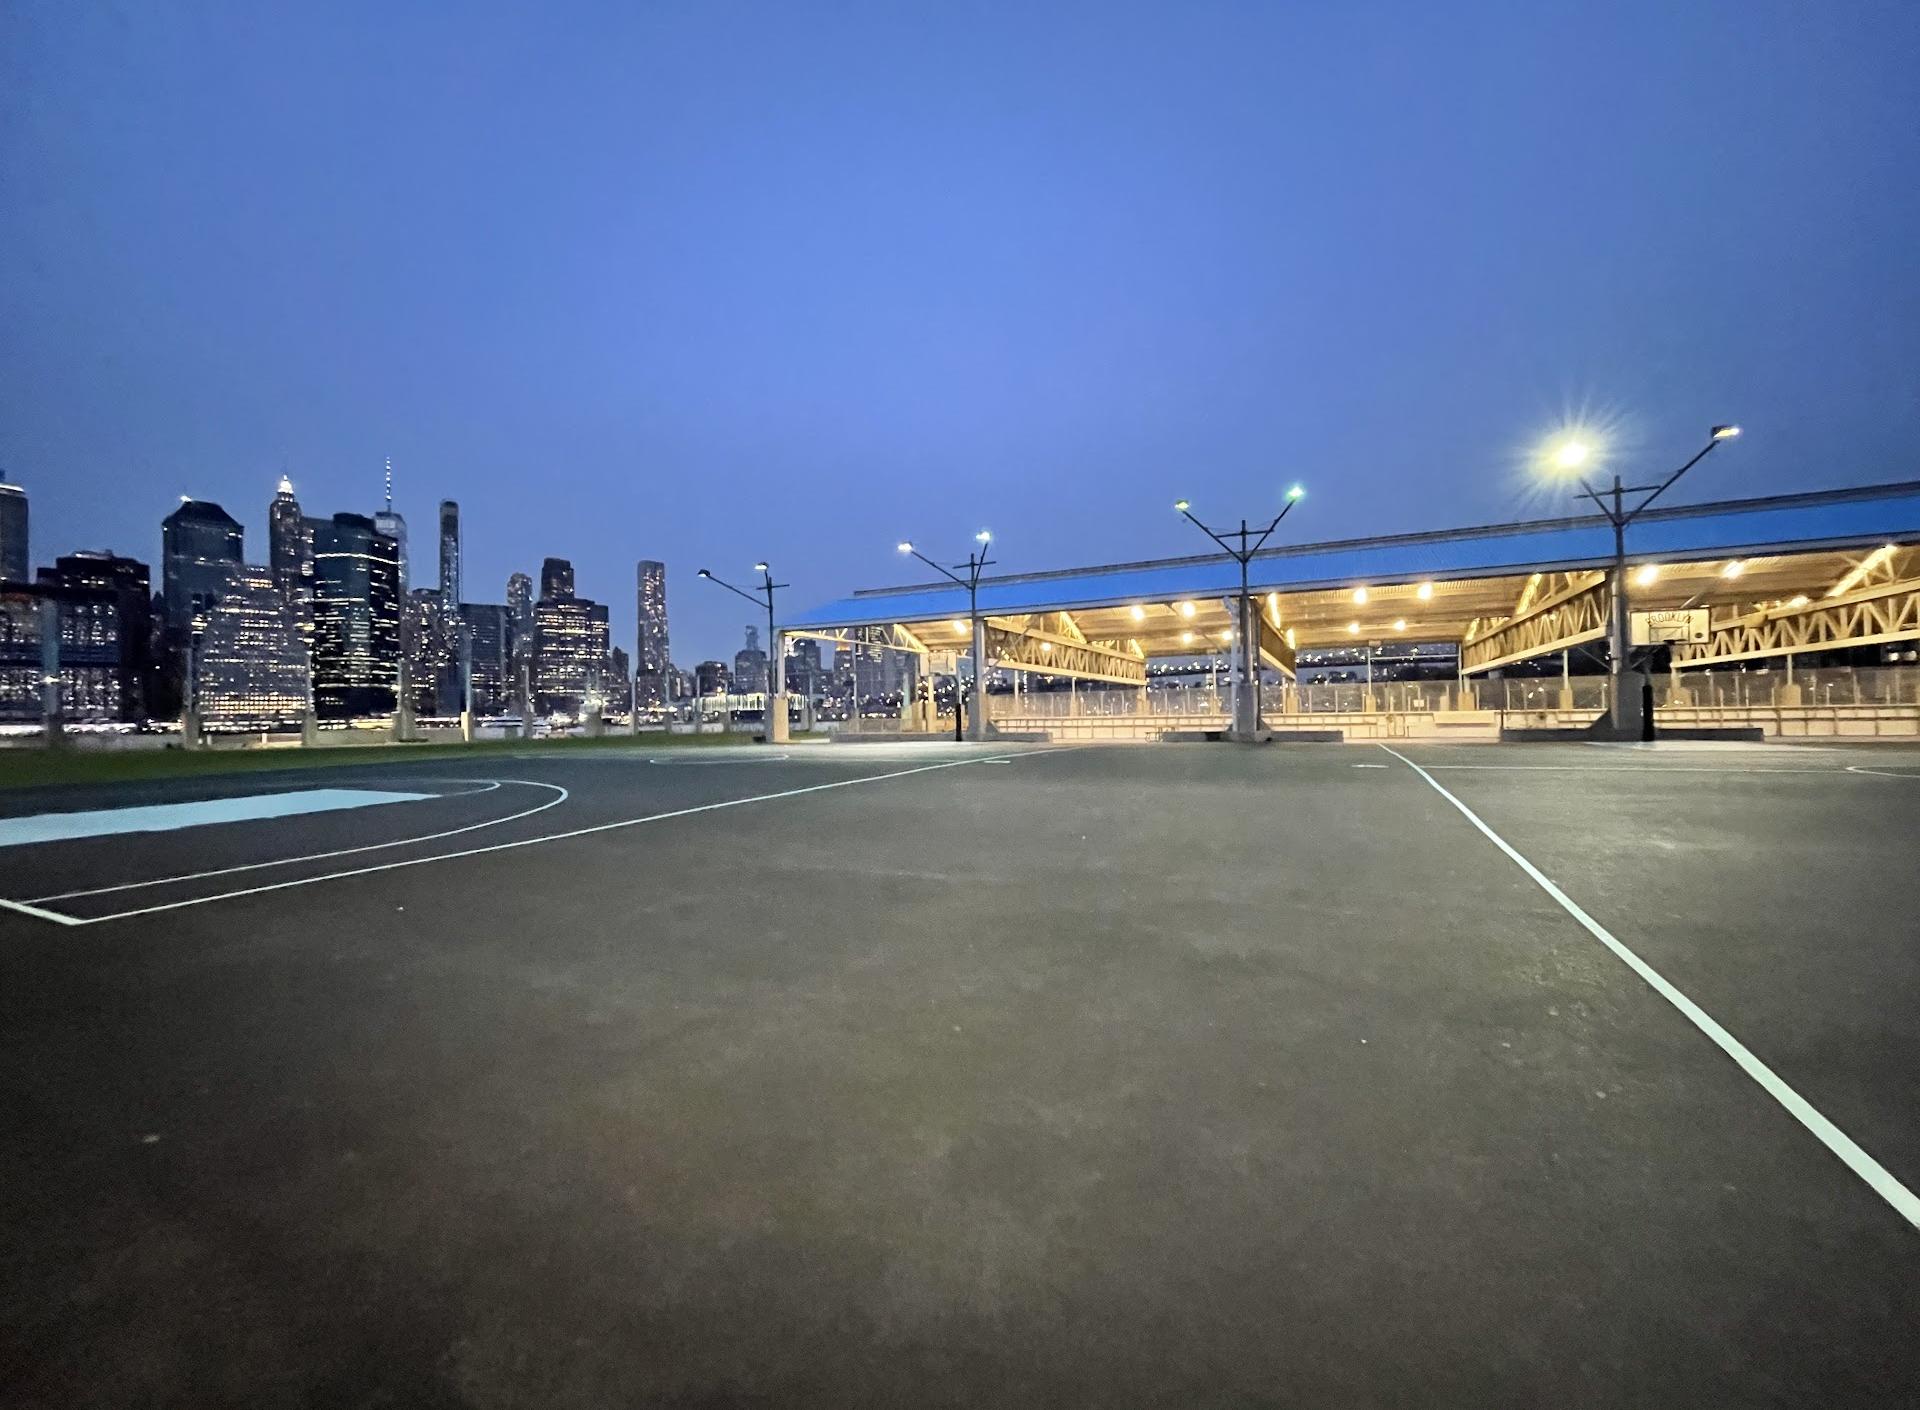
point(1864, 685)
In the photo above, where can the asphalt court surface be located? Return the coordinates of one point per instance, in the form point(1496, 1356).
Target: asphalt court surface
point(940, 1076)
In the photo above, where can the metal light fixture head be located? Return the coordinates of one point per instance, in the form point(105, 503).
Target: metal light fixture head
point(1725, 433)
point(1180, 506)
point(985, 536)
point(905, 547)
point(1297, 492)
point(759, 567)
point(703, 573)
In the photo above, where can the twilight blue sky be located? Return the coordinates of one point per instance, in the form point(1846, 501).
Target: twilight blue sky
point(706, 281)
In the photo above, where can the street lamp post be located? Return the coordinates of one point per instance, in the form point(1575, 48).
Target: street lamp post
point(976, 562)
point(762, 596)
point(1624, 706)
point(1246, 705)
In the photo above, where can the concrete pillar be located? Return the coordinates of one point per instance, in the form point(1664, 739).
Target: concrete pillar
point(776, 711)
point(53, 724)
point(1246, 679)
point(977, 711)
point(1787, 696)
point(189, 706)
point(309, 727)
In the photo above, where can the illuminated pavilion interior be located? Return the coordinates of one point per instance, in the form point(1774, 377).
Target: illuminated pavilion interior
point(1777, 576)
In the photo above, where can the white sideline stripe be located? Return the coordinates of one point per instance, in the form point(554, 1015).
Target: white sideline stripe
point(493, 784)
point(1624, 768)
point(174, 817)
point(27, 909)
point(523, 842)
point(1832, 1137)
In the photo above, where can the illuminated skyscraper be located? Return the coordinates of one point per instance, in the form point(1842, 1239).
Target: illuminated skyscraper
point(390, 523)
point(450, 554)
point(652, 662)
point(356, 618)
point(290, 556)
point(804, 673)
point(490, 629)
point(128, 582)
point(520, 625)
point(199, 541)
point(431, 637)
point(569, 654)
point(616, 682)
point(83, 650)
point(13, 534)
point(251, 669)
point(750, 666)
point(556, 579)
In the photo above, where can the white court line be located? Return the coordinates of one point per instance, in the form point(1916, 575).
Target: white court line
point(523, 842)
point(27, 909)
point(1623, 768)
point(1832, 1137)
point(493, 784)
point(756, 758)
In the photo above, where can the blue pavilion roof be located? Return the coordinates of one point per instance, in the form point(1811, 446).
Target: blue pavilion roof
point(1834, 519)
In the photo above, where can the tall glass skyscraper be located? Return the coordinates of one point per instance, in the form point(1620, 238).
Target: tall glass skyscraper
point(290, 557)
point(750, 666)
point(556, 579)
point(652, 663)
point(520, 624)
point(431, 634)
point(199, 541)
point(14, 567)
point(450, 554)
point(569, 643)
point(356, 618)
point(490, 629)
point(389, 522)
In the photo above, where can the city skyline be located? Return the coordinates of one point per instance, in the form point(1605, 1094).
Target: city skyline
point(273, 540)
point(806, 285)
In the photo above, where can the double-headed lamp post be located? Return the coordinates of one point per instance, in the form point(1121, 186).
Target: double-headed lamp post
point(1571, 457)
point(976, 562)
point(762, 596)
point(1246, 542)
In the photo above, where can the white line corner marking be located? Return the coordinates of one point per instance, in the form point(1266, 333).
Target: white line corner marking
point(491, 785)
point(1832, 1137)
point(28, 909)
